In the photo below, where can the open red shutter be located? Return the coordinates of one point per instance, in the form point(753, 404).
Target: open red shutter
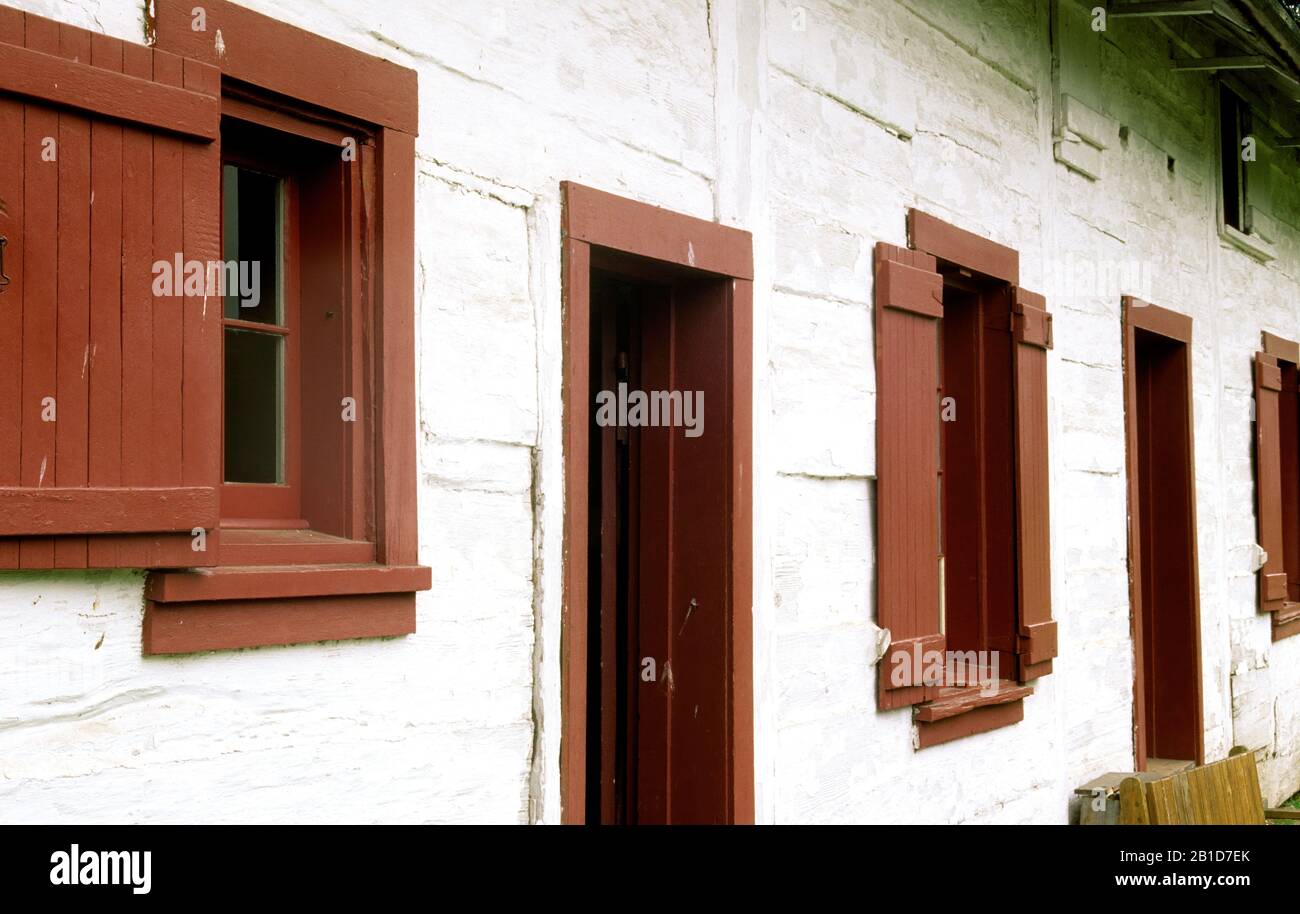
point(1268, 482)
point(1037, 636)
point(909, 302)
point(109, 395)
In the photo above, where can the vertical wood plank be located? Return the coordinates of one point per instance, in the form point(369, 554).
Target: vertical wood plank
point(576, 280)
point(105, 446)
point(40, 302)
point(360, 182)
point(201, 405)
point(605, 328)
point(742, 552)
point(1033, 540)
point(396, 331)
point(73, 312)
point(137, 305)
point(13, 164)
point(907, 447)
point(165, 442)
point(654, 541)
point(699, 552)
point(1268, 482)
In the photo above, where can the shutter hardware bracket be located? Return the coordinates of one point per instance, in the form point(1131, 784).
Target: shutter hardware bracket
point(4, 280)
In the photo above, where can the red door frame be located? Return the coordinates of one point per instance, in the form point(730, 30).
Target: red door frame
point(594, 219)
point(1139, 315)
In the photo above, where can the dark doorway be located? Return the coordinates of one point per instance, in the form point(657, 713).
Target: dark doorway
point(657, 626)
point(1162, 540)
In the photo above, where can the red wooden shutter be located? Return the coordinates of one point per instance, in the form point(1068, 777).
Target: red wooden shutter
point(109, 162)
point(1037, 636)
point(909, 302)
point(1268, 482)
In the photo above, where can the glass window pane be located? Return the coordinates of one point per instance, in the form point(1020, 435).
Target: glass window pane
point(254, 408)
point(251, 224)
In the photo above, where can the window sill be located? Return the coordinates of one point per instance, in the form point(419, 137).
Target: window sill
point(1251, 244)
point(291, 587)
point(959, 712)
point(1286, 621)
point(291, 547)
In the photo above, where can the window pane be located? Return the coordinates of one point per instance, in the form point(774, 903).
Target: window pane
point(250, 210)
point(254, 409)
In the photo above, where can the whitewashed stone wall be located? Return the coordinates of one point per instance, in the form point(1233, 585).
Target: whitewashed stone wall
point(814, 125)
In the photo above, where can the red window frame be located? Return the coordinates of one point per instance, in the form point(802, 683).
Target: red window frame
point(355, 576)
point(910, 286)
point(1276, 371)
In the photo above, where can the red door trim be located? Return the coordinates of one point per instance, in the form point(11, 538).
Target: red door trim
point(1140, 315)
point(592, 218)
point(946, 241)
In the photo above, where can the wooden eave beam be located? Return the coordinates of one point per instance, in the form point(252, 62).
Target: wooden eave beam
point(1165, 8)
point(1248, 62)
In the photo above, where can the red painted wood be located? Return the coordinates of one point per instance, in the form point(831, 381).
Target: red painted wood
point(146, 550)
point(292, 547)
point(654, 622)
point(907, 485)
point(165, 439)
point(951, 702)
point(326, 244)
point(659, 234)
point(910, 288)
point(979, 486)
point(398, 543)
point(99, 92)
point(361, 286)
point(73, 313)
point(137, 307)
point(40, 299)
point(1288, 406)
point(576, 273)
point(1286, 623)
point(277, 582)
point(240, 104)
point(13, 166)
point(1037, 632)
point(604, 494)
point(700, 749)
point(1162, 534)
point(741, 509)
point(263, 51)
point(962, 248)
point(79, 509)
point(1161, 321)
point(202, 347)
point(105, 363)
point(1268, 480)
point(691, 705)
point(228, 624)
point(1283, 349)
point(979, 720)
point(963, 529)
